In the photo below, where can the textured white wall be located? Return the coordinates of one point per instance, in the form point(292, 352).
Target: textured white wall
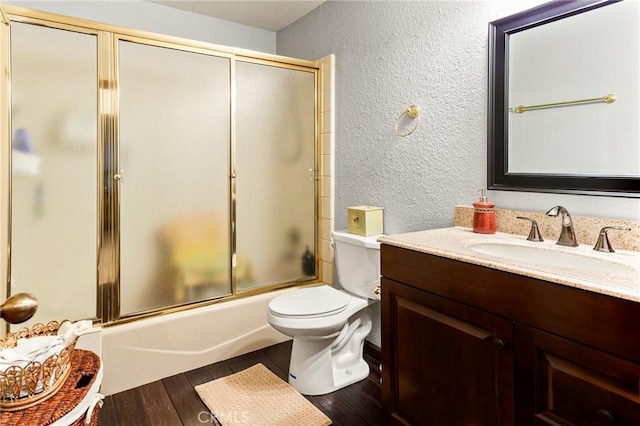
point(433, 53)
point(160, 19)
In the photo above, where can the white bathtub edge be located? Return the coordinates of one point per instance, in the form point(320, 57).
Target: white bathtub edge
point(151, 349)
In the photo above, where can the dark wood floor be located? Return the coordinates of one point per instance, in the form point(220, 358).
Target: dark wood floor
point(173, 401)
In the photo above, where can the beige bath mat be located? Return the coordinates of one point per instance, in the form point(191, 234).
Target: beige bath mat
point(257, 397)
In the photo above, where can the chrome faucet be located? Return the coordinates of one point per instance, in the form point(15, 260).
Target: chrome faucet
point(567, 233)
point(603, 243)
point(534, 233)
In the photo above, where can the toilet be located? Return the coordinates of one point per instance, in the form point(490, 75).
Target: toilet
point(328, 325)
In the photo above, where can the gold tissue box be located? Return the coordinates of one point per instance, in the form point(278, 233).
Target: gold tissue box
point(364, 220)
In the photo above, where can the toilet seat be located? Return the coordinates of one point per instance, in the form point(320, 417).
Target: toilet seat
point(313, 302)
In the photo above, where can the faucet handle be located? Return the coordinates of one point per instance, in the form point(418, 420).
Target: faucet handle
point(534, 233)
point(603, 243)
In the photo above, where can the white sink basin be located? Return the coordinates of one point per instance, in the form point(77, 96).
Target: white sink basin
point(550, 256)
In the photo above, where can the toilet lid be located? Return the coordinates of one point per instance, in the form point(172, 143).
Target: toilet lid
point(313, 301)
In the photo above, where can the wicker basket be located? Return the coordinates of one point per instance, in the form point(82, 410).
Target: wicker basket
point(23, 387)
point(85, 368)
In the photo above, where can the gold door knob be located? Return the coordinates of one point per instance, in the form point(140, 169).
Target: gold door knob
point(377, 290)
point(18, 308)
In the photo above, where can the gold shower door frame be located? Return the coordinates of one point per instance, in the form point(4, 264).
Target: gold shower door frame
point(108, 179)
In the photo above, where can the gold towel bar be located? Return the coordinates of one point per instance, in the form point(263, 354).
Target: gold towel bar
point(608, 99)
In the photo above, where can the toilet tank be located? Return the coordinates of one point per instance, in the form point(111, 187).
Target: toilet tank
point(357, 260)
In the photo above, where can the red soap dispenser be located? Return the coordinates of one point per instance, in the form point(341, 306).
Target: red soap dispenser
point(484, 216)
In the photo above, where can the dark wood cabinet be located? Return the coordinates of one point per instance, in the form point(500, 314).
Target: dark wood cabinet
point(463, 344)
point(432, 375)
point(562, 382)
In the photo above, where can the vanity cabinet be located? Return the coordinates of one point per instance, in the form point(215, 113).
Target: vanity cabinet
point(563, 382)
point(464, 344)
point(432, 375)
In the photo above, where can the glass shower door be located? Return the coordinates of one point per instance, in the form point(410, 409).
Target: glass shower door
point(275, 166)
point(150, 173)
point(174, 160)
point(54, 179)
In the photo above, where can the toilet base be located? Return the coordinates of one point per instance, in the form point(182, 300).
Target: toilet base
point(321, 365)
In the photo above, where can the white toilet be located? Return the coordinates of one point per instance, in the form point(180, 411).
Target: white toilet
point(328, 325)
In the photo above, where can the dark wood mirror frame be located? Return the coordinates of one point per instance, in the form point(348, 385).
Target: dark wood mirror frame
point(497, 168)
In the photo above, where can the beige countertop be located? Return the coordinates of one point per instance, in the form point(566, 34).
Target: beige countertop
point(457, 243)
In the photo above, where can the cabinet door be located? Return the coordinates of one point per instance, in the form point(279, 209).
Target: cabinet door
point(443, 363)
point(560, 382)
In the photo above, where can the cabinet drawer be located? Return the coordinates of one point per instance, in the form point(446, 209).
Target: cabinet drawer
point(562, 382)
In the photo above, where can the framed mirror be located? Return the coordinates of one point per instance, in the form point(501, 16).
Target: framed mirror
point(564, 99)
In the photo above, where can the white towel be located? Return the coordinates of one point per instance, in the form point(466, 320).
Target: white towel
point(34, 349)
point(71, 331)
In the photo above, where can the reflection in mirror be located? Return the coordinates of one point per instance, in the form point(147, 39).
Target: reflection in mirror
point(573, 59)
point(54, 176)
point(554, 53)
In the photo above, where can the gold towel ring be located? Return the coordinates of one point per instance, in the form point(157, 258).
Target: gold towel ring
point(412, 112)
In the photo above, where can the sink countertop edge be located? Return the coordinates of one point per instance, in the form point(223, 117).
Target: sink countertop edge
point(454, 242)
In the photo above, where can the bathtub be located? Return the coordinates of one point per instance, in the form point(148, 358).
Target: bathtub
point(150, 349)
